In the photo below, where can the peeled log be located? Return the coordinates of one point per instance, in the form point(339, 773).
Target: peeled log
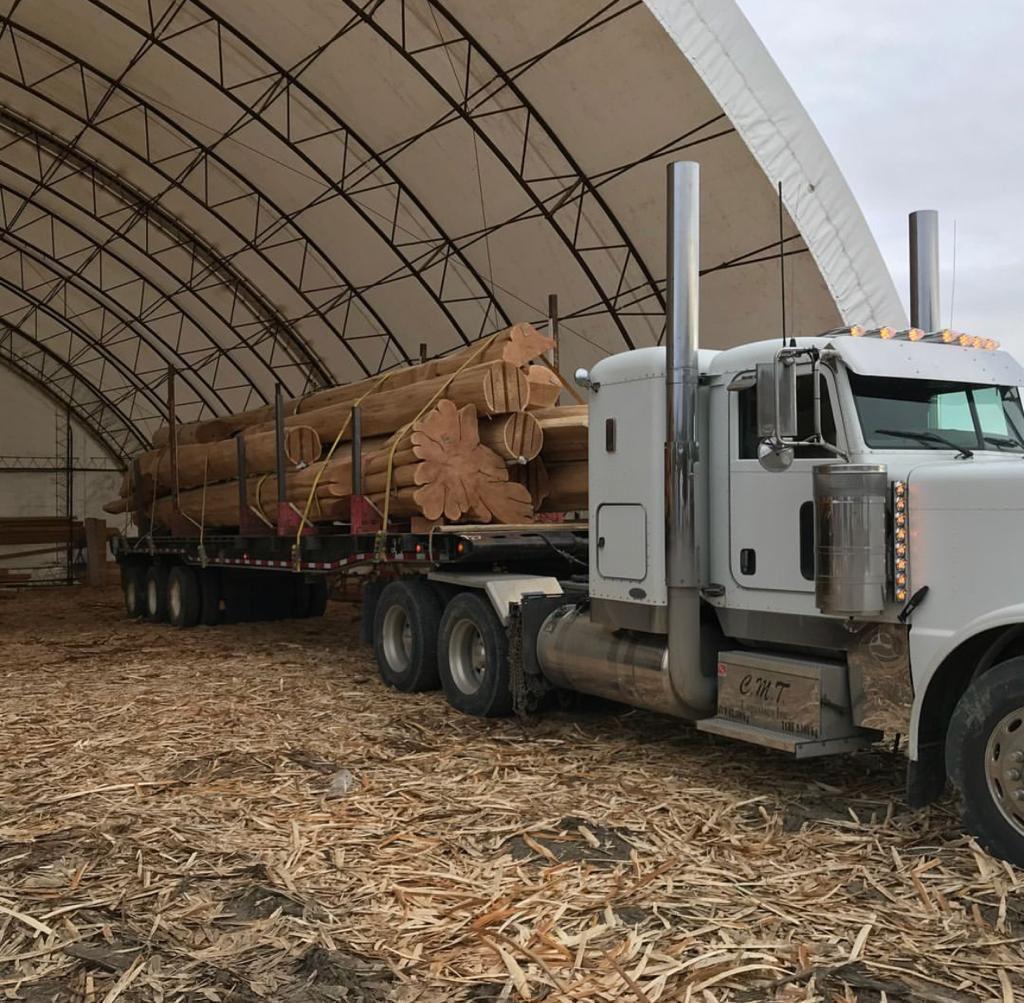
point(493, 388)
point(545, 387)
point(566, 488)
point(209, 463)
point(513, 437)
point(565, 431)
point(516, 345)
point(456, 475)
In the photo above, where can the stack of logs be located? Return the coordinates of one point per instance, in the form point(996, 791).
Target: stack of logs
point(475, 436)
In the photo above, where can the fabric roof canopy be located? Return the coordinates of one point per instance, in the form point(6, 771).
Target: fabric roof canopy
point(308, 192)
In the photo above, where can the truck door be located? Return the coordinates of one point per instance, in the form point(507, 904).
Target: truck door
point(771, 515)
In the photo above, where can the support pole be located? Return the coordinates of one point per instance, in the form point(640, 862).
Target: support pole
point(280, 467)
point(172, 438)
point(553, 329)
point(69, 497)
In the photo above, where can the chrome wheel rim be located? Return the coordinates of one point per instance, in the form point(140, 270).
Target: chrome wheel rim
point(1004, 767)
point(467, 656)
point(174, 600)
point(396, 636)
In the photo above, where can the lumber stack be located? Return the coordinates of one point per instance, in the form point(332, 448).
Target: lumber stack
point(463, 438)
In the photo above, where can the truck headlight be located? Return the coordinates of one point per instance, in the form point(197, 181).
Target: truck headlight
point(900, 550)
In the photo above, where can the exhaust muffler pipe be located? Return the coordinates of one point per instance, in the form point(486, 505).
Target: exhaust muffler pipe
point(576, 652)
point(696, 691)
point(924, 270)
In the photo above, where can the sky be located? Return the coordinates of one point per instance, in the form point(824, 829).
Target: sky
point(921, 103)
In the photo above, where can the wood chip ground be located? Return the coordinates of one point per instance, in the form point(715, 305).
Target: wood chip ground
point(246, 813)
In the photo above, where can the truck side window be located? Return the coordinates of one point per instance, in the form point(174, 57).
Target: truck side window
point(746, 406)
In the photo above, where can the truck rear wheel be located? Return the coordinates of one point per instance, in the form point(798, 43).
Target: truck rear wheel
point(405, 625)
point(133, 586)
point(985, 759)
point(318, 593)
point(156, 593)
point(183, 600)
point(472, 655)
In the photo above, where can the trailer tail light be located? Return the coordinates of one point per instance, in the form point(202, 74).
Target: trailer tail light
point(900, 542)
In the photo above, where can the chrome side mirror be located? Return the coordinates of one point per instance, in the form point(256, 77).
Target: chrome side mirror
point(774, 455)
point(776, 398)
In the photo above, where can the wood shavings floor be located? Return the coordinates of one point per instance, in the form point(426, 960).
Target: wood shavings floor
point(166, 833)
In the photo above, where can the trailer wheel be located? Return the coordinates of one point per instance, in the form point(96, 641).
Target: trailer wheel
point(183, 599)
point(268, 600)
point(209, 597)
point(473, 657)
point(405, 625)
point(985, 759)
point(156, 593)
point(133, 585)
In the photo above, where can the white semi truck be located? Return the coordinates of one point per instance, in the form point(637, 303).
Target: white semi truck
point(806, 544)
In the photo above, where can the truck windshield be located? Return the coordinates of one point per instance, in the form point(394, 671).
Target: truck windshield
point(931, 414)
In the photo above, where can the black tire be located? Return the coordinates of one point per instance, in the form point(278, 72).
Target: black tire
point(985, 759)
point(318, 592)
point(238, 597)
point(133, 587)
point(405, 631)
point(472, 657)
point(209, 597)
point(183, 598)
point(156, 593)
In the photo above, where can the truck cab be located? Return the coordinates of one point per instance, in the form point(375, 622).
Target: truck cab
point(858, 498)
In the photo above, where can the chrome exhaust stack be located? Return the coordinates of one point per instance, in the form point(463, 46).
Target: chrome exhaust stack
point(579, 651)
point(924, 270)
point(695, 690)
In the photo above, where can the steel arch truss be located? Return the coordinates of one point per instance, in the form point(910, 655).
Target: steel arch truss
point(195, 170)
point(97, 410)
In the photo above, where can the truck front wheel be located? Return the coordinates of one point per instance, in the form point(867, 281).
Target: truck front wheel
point(405, 626)
point(473, 657)
point(985, 759)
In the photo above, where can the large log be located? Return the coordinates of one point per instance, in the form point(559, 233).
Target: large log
point(565, 431)
point(566, 487)
point(514, 437)
point(545, 387)
point(443, 470)
point(209, 463)
point(516, 345)
point(492, 388)
point(456, 475)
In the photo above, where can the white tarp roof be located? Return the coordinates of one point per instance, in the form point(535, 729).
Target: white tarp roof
point(309, 192)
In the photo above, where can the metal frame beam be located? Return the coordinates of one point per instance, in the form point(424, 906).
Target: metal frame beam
point(266, 221)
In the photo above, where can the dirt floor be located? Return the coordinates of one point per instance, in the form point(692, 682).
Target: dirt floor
point(246, 813)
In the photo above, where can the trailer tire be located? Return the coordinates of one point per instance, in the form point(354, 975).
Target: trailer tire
point(133, 586)
point(318, 593)
point(267, 596)
point(405, 630)
point(183, 598)
point(985, 759)
point(472, 657)
point(209, 597)
point(156, 593)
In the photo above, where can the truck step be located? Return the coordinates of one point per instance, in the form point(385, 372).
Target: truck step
point(797, 745)
point(797, 705)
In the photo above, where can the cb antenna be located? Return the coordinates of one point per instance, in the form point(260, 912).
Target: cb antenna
point(782, 269)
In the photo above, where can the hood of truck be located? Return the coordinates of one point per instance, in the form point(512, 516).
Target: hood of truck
point(966, 532)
